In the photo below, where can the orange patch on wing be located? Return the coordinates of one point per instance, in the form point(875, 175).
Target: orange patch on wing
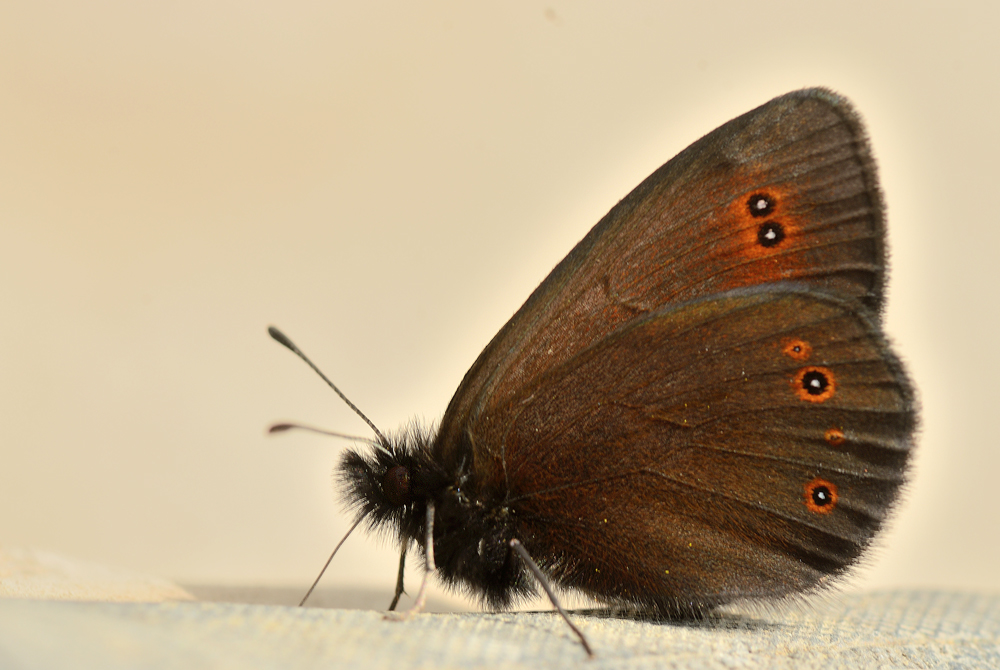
point(761, 233)
point(763, 220)
point(834, 436)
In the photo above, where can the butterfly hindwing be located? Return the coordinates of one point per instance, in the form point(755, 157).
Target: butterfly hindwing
point(762, 433)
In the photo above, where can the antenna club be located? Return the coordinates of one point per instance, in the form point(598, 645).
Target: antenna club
point(281, 337)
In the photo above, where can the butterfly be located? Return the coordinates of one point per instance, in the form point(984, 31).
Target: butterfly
point(697, 406)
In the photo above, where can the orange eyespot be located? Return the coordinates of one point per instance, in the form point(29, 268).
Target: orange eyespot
point(770, 234)
point(821, 496)
point(834, 436)
point(800, 350)
point(814, 384)
point(761, 204)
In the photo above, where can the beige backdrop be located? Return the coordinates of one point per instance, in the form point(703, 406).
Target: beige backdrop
point(388, 182)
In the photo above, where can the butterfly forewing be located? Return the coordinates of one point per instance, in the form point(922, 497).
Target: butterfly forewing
point(785, 192)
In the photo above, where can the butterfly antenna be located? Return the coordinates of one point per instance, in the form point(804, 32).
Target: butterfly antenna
point(328, 561)
point(282, 427)
point(281, 338)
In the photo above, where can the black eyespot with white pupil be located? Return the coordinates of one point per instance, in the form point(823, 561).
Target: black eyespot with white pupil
point(770, 234)
point(760, 204)
point(396, 485)
point(821, 496)
point(815, 383)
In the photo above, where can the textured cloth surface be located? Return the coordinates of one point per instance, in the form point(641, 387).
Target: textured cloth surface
point(876, 630)
point(31, 573)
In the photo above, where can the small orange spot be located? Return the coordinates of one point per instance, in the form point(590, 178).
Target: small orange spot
point(800, 350)
point(821, 496)
point(834, 436)
point(814, 384)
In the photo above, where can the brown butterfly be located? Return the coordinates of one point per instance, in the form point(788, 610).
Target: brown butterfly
point(696, 406)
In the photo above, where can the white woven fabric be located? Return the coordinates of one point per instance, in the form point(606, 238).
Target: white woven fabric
point(877, 630)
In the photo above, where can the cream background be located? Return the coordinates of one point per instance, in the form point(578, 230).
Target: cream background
point(387, 182)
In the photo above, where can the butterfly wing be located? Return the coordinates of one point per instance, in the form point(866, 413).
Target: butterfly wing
point(785, 192)
point(742, 445)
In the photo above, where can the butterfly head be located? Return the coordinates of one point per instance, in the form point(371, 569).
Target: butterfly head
point(388, 484)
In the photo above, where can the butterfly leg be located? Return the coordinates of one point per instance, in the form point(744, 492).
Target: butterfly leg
point(399, 578)
point(418, 605)
point(516, 545)
point(327, 564)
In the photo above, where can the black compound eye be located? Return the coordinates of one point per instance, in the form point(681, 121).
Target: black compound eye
point(396, 485)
